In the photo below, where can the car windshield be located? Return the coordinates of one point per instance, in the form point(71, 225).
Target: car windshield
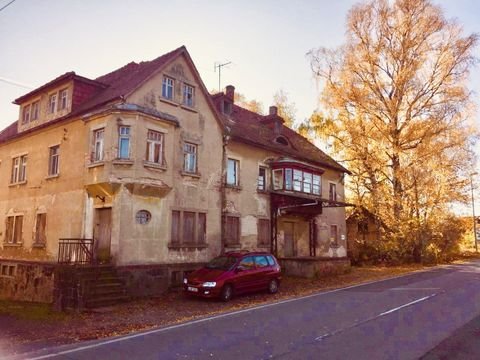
point(222, 263)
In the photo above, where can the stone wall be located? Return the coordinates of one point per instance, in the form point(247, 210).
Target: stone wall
point(26, 281)
point(311, 267)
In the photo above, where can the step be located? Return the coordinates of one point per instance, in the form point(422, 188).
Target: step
point(106, 300)
point(105, 289)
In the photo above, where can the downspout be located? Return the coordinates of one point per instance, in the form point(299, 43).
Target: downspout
point(223, 194)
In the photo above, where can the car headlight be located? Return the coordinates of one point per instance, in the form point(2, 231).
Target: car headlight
point(185, 281)
point(209, 284)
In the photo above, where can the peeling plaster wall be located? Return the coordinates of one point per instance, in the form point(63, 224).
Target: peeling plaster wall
point(61, 197)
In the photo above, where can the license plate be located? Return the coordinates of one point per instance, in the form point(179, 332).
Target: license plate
point(192, 289)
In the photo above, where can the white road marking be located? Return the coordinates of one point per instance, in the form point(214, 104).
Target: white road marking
point(155, 331)
point(321, 337)
point(411, 289)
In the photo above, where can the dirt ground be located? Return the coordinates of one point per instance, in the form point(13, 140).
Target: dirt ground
point(29, 326)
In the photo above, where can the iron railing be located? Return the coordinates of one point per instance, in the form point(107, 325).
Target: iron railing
point(75, 251)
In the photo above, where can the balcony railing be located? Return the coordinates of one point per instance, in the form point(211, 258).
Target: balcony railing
point(75, 251)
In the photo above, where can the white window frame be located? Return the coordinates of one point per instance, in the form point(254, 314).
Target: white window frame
point(168, 87)
point(190, 152)
point(124, 134)
point(154, 139)
point(98, 143)
point(63, 99)
point(236, 173)
point(188, 95)
point(14, 228)
point(34, 113)
point(19, 169)
point(52, 103)
point(26, 114)
point(262, 180)
point(54, 160)
point(335, 195)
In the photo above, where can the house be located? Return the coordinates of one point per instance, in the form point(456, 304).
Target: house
point(144, 170)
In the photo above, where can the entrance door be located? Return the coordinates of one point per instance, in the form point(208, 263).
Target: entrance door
point(288, 231)
point(102, 234)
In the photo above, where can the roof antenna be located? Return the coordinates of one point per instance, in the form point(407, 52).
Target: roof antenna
point(219, 66)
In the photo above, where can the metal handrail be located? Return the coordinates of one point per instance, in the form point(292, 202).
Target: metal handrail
point(75, 251)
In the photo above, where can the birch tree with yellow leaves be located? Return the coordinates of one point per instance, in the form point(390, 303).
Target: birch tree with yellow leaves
point(398, 113)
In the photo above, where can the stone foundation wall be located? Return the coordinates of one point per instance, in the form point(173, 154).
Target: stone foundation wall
point(310, 267)
point(26, 281)
point(153, 280)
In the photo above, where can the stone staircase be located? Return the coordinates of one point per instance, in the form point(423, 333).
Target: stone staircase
point(100, 286)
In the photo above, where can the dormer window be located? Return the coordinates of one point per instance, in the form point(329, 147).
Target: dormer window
point(227, 107)
point(52, 102)
point(63, 101)
point(26, 114)
point(167, 88)
point(281, 140)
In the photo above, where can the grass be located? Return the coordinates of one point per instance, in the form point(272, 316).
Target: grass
point(30, 311)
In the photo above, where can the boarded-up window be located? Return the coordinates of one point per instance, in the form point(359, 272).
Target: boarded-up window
point(232, 230)
point(202, 228)
point(263, 232)
point(13, 233)
point(175, 227)
point(40, 237)
point(188, 227)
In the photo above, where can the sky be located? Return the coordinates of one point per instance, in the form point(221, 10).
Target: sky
point(266, 42)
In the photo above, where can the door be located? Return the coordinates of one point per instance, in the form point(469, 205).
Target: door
point(244, 280)
point(288, 239)
point(102, 234)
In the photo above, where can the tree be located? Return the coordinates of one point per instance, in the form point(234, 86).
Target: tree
point(252, 105)
point(398, 112)
point(287, 110)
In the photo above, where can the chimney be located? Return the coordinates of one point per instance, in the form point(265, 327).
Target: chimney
point(230, 92)
point(273, 110)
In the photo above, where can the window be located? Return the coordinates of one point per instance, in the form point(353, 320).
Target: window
point(227, 107)
point(316, 187)
point(232, 230)
point(35, 110)
point(232, 172)
point(188, 228)
point(53, 160)
point(40, 236)
point(143, 217)
point(288, 179)
point(19, 169)
point(52, 102)
point(97, 153)
point(188, 93)
point(281, 140)
point(261, 261)
point(262, 179)
point(124, 142)
point(63, 101)
point(167, 88)
point(333, 234)
point(263, 232)
point(307, 182)
point(332, 193)
point(26, 114)
point(297, 180)
point(154, 147)
point(278, 179)
point(189, 158)
point(247, 263)
point(13, 234)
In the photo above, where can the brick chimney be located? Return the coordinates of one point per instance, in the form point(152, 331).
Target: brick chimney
point(230, 92)
point(273, 110)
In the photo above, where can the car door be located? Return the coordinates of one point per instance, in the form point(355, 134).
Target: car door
point(244, 280)
point(263, 272)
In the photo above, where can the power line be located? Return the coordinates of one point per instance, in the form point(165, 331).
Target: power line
point(3, 7)
point(12, 82)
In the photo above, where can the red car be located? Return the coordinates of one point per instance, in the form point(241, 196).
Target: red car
point(235, 273)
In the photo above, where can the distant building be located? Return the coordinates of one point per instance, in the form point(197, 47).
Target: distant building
point(162, 176)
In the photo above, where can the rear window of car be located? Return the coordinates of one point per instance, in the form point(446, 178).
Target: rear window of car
point(261, 261)
point(270, 260)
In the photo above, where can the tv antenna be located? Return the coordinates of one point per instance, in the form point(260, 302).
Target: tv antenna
point(220, 66)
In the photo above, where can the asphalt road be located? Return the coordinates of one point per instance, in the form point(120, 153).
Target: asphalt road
point(401, 318)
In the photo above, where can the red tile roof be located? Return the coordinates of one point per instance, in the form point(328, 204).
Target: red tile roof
point(9, 132)
point(249, 127)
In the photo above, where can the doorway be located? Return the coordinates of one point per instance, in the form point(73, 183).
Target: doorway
point(102, 234)
point(288, 238)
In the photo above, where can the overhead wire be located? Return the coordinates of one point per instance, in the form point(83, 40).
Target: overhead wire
point(3, 7)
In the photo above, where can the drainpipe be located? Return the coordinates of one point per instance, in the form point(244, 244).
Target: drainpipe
point(223, 195)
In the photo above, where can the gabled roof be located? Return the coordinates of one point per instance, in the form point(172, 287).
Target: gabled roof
point(9, 132)
point(248, 127)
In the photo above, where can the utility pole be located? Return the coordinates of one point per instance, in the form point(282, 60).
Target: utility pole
point(473, 213)
point(219, 66)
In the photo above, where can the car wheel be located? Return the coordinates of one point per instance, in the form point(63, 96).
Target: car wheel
point(227, 293)
point(273, 286)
